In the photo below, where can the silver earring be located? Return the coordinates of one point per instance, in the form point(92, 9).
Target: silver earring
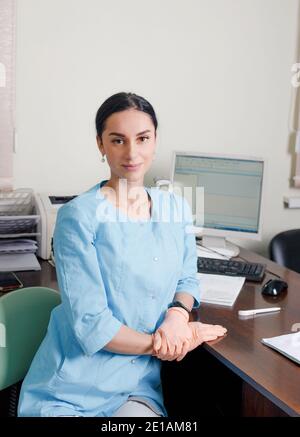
point(103, 158)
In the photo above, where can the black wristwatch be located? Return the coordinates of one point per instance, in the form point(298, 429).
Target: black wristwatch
point(176, 303)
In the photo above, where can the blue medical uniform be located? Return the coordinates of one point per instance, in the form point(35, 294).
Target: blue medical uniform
point(111, 270)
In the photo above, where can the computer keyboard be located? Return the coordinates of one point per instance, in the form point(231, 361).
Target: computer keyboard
point(251, 271)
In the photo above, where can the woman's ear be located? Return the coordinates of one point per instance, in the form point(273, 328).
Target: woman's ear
point(100, 144)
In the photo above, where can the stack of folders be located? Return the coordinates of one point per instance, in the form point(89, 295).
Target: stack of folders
point(15, 246)
point(17, 253)
point(288, 345)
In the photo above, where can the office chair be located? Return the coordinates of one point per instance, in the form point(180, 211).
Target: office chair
point(24, 317)
point(284, 249)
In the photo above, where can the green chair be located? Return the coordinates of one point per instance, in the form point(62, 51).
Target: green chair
point(24, 317)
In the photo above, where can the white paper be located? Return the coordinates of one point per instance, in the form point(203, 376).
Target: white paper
point(219, 289)
point(22, 245)
point(288, 345)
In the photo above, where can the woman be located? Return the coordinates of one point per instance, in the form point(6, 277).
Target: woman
point(120, 263)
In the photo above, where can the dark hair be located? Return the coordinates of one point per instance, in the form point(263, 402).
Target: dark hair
point(120, 102)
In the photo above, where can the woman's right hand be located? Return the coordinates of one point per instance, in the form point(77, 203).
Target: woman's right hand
point(161, 348)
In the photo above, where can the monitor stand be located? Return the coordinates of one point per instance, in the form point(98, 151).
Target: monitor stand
point(220, 245)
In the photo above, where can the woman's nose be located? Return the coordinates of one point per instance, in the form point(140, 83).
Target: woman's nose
point(132, 150)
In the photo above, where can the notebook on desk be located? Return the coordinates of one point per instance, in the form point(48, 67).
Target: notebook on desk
point(288, 345)
point(218, 289)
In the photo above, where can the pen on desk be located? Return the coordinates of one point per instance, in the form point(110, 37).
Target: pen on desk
point(258, 311)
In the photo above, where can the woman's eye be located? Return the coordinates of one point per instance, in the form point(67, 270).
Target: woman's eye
point(144, 139)
point(118, 141)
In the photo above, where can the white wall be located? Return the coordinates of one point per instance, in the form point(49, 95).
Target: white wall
point(217, 72)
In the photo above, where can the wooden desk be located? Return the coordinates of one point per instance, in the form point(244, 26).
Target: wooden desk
point(270, 382)
point(267, 381)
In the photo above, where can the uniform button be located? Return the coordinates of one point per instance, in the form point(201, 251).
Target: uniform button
point(132, 361)
point(155, 258)
point(152, 296)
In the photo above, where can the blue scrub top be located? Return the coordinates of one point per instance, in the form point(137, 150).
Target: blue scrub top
point(111, 270)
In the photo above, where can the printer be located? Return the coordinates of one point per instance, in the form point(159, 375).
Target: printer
point(47, 207)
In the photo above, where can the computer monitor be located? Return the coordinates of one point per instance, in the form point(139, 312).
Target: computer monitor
point(225, 195)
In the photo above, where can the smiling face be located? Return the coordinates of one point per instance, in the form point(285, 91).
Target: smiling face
point(128, 141)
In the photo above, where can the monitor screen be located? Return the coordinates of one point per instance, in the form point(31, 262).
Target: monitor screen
point(232, 189)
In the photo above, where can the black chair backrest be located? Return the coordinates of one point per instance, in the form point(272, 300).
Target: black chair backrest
point(284, 249)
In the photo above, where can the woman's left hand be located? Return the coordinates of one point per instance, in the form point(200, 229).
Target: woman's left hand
point(200, 333)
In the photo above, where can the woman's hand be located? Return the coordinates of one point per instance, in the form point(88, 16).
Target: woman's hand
point(202, 332)
point(162, 351)
point(172, 337)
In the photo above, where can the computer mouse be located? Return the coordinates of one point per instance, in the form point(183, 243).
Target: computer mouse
point(274, 287)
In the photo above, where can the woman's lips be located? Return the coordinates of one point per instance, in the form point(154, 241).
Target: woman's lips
point(132, 167)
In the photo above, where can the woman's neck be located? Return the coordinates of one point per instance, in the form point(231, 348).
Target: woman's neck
point(126, 190)
point(132, 198)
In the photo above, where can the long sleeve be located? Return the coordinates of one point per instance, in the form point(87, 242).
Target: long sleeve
point(188, 281)
point(80, 282)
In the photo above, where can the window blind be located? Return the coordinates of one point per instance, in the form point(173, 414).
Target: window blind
point(7, 91)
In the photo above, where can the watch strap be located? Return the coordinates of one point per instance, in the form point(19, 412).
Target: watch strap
point(177, 303)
